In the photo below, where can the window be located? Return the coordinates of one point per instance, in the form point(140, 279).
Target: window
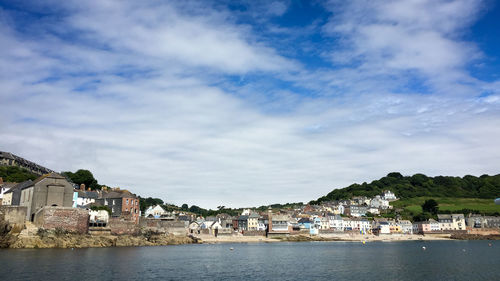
point(127, 202)
point(126, 209)
point(136, 202)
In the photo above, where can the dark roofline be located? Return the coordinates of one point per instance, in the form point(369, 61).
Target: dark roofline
point(19, 186)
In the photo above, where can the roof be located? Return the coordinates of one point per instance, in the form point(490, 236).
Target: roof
point(20, 186)
point(7, 155)
point(254, 216)
point(92, 194)
point(304, 220)
point(280, 218)
point(8, 185)
point(116, 194)
point(46, 176)
point(444, 216)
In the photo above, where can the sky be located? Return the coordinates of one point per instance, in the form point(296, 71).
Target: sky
point(249, 103)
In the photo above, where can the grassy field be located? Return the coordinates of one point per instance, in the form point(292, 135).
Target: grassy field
point(413, 205)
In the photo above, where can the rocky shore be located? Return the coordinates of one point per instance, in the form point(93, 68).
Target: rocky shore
point(17, 237)
point(209, 239)
point(475, 237)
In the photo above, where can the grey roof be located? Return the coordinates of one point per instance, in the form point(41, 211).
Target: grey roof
point(91, 194)
point(7, 155)
point(304, 220)
point(444, 216)
point(254, 215)
point(8, 185)
point(20, 186)
point(48, 176)
point(116, 194)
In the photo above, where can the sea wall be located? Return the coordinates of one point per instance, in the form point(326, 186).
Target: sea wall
point(483, 231)
point(163, 226)
point(63, 218)
point(123, 226)
point(14, 214)
point(254, 233)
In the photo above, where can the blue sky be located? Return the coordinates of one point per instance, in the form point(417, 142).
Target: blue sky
point(253, 102)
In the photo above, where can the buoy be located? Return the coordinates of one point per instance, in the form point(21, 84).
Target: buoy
point(364, 242)
point(423, 248)
point(231, 248)
point(489, 244)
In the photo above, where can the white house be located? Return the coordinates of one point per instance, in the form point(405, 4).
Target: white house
point(156, 211)
point(384, 228)
point(374, 211)
point(348, 224)
point(406, 226)
point(98, 216)
point(379, 203)
point(325, 223)
point(434, 225)
point(339, 209)
point(452, 222)
point(388, 195)
point(86, 197)
point(336, 222)
point(362, 225)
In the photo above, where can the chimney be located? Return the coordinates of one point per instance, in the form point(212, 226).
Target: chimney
point(270, 219)
point(82, 187)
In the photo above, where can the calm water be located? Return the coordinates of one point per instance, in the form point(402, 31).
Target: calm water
point(443, 260)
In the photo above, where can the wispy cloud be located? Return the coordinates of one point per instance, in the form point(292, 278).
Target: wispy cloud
point(188, 103)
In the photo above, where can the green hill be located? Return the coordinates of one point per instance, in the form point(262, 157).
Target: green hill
point(15, 174)
point(413, 206)
point(420, 185)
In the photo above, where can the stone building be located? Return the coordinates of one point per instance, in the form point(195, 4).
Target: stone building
point(121, 203)
point(4, 187)
point(13, 195)
point(452, 222)
point(9, 159)
point(48, 190)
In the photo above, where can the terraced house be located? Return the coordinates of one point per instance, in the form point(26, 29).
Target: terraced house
point(121, 203)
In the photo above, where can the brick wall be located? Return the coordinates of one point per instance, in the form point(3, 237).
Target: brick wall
point(14, 214)
point(65, 218)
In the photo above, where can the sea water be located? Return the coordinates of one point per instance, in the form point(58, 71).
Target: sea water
point(441, 260)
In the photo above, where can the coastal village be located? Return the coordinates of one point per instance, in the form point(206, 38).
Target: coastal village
point(53, 203)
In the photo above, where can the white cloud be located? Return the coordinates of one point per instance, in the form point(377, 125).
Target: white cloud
point(141, 98)
point(386, 38)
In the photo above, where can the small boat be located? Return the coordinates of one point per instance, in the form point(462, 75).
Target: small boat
point(497, 201)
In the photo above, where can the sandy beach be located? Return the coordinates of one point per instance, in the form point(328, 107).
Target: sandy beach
point(325, 237)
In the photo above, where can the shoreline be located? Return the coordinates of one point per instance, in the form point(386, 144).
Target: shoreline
point(51, 239)
point(208, 239)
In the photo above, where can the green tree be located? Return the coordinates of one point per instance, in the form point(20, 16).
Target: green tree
point(83, 176)
point(15, 174)
point(430, 206)
point(422, 217)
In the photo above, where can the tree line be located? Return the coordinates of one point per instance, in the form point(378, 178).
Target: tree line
point(420, 185)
